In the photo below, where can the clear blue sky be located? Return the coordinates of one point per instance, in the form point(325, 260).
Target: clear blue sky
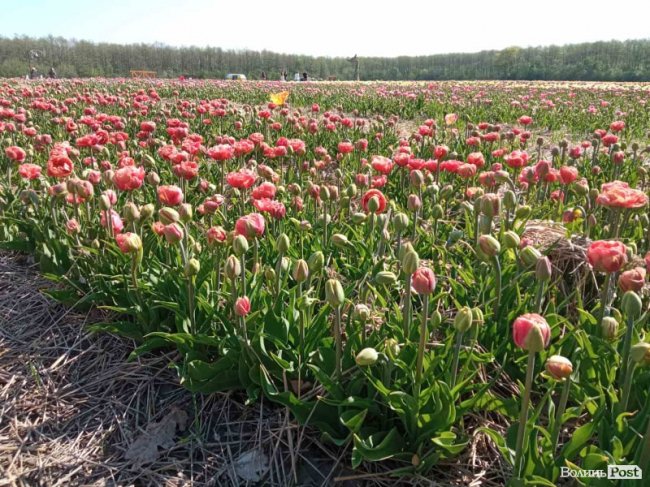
point(332, 27)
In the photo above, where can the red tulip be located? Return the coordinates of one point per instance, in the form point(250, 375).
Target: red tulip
point(528, 329)
point(242, 306)
point(632, 280)
point(618, 194)
point(242, 179)
point(29, 171)
point(607, 255)
point(250, 226)
point(170, 195)
point(423, 281)
point(129, 178)
point(15, 153)
point(568, 174)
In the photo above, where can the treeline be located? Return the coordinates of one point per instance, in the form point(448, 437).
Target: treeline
point(606, 61)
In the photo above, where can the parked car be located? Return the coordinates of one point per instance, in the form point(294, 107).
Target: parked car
point(236, 76)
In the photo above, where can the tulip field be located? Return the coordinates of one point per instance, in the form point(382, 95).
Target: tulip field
point(404, 267)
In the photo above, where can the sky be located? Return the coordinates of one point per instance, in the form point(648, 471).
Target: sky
point(332, 27)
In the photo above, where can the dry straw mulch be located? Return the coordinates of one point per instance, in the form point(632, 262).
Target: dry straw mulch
point(74, 411)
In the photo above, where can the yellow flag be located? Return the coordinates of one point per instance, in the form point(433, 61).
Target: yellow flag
point(279, 98)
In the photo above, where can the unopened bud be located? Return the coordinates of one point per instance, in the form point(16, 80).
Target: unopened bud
point(463, 319)
point(334, 294)
point(366, 357)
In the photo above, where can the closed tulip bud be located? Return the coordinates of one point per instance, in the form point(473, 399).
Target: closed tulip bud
point(173, 233)
point(334, 294)
point(640, 353)
point(301, 271)
point(104, 202)
point(153, 179)
point(107, 177)
point(543, 269)
point(270, 275)
point(131, 212)
point(359, 218)
point(324, 193)
point(381, 219)
point(529, 256)
point(436, 318)
point(593, 193)
point(192, 267)
point(559, 367)
point(283, 243)
point(185, 212)
point(385, 278)
point(416, 178)
point(240, 245)
point(437, 212)
point(366, 357)
point(351, 191)
point(413, 203)
point(373, 204)
point(168, 215)
point(523, 212)
point(511, 240)
point(501, 176)
point(509, 200)
point(401, 222)
point(447, 192)
point(609, 327)
point(232, 267)
point(345, 201)
point(361, 312)
point(531, 332)
point(406, 248)
point(631, 304)
point(129, 242)
point(392, 348)
point(242, 306)
point(147, 211)
point(95, 244)
point(489, 245)
point(490, 205)
point(305, 226)
point(423, 281)
point(316, 262)
point(339, 240)
point(463, 319)
point(410, 262)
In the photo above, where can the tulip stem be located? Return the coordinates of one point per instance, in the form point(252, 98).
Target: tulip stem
point(604, 298)
point(243, 274)
point(497, 285)
point(337, 340)
point(454, 369)
point(557, 425)
point(523, 416)
point(539, 298)
point(407, 308)
point(420, 356)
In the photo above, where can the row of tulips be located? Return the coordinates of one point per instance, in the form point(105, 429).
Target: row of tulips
point(383, 285)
